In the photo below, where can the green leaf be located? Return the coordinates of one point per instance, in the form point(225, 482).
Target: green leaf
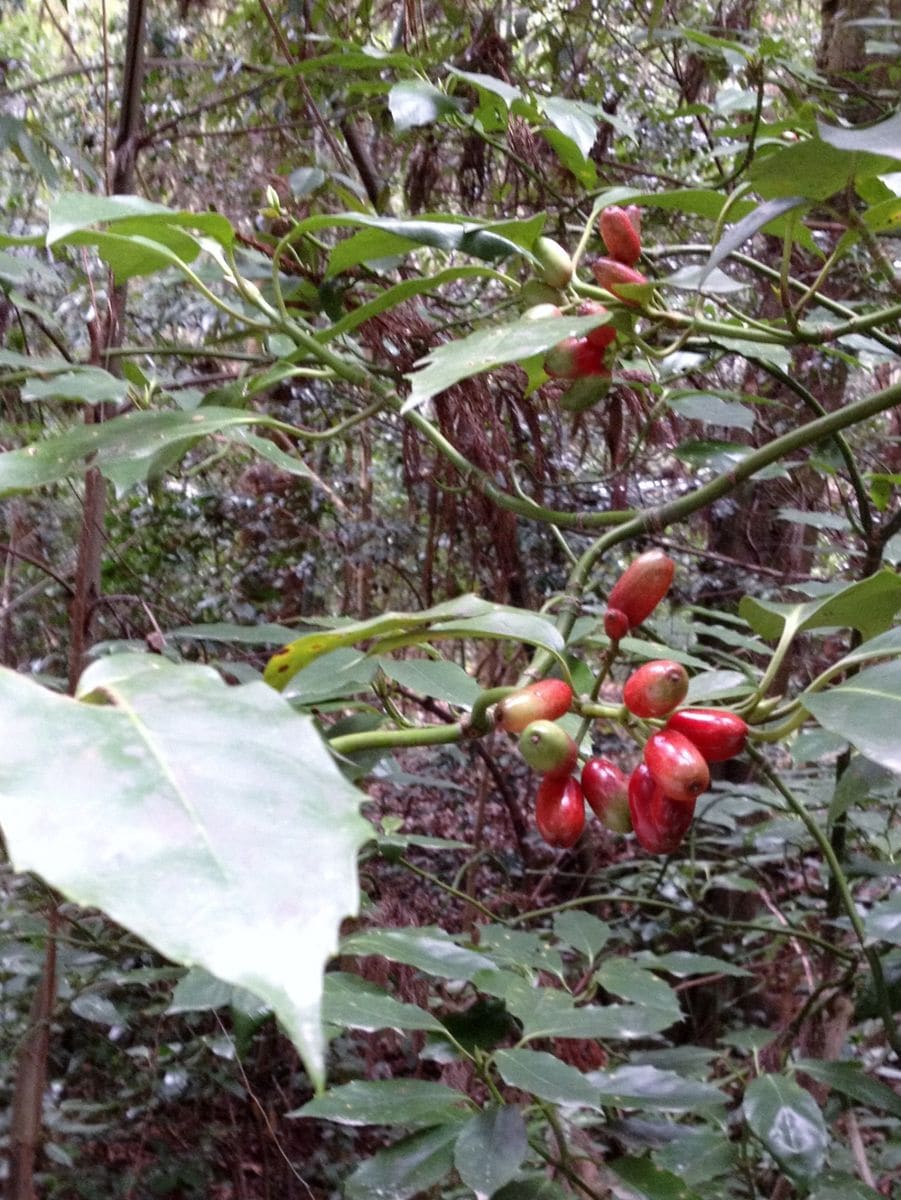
point(355, 1003)
point(545, 1076)
point(344, 672)
point(72, 212)
point(124, 448)
point(866, 710)
point(883, 921)
point(490, 1149)
point(467, 616)
point(415, 102)
point(439, 678)
point(868, 605)
point(533, 1188)
point(547, 1012)
point(199, 991)
point(575, 120)
point(486, 348)
point(650, 1182)
point(836, 1185)
point(242, 635)
point(717, 685)
point(624, 978)
point(860, 779)
point(737, 235)
point(489, 83)
point(697, 1156)
point(210, 820)
point(91, 1006)
point(884, 138)
point(583, 931)
point(90, 385)
point(816, 520)
point(414, 1103)
point(426, 947)
point(684, 963)
point(849, 1079)
point(814, 169)
point(408, 1168)
point(712, 410)
point(788, 1121)
point(648, 1087)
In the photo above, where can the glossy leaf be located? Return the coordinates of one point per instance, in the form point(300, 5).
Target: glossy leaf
point(866, 710)
point(173, 803)
point(629, 981)
point(547, 1012)
point(647, 1087)
point(427, 948)
point(536, 1187)
point(490, 1149)
point(415, 1103)
point(545, 1076)
point(199, 991)
point(712, 410)
point(788, 1121)
point(685, 963)
point(407, 1168)
point(354, 1003)
point(814, 169)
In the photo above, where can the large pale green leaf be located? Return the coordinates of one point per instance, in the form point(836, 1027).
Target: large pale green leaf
point(866, 710)
point(788, 1121)
point(583, 931)
point(415, 1103)
point(124, 448)
point(698, 1155)
point(408, 1168)
point(439, 678)
point(72, 212)
point(490, 1149)
point(210, 820)
point(629, 981)
point(486, 348)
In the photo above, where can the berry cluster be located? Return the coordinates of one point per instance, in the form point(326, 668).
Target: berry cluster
point(588, 358)
point(657, 800)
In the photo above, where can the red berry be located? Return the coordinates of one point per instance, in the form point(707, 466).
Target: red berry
point(611, 275)
point(573, 358)
point(717, 734)
point(620, 236)
point(656, 688)
point(560, 810)
point(660, 823)
point(545, 700)
point(603, 335)
point(642, 585)
point(606, 789)
point(677, 765)
point(546, 747)
point(633, 212)
point(616, 624)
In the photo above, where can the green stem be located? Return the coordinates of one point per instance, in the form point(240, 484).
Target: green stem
point(620, 898)
point(451, 891)
point(387, 739)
